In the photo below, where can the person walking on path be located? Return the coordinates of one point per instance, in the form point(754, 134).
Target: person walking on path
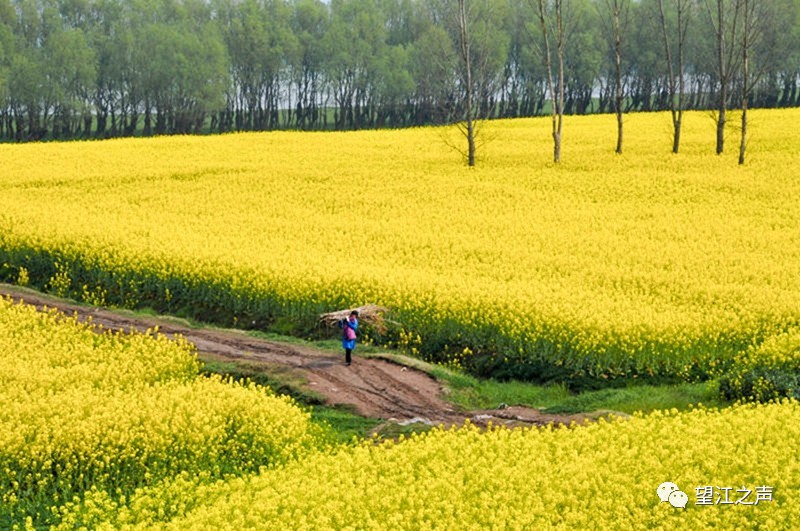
point(349, 328)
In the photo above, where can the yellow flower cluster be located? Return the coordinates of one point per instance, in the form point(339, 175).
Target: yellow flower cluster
point(605, 265)
point(765, 372)
point(46, 352)
point(81, 410)
point(600, 476)
point(780, 349)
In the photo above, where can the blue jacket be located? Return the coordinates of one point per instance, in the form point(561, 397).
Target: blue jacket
point(349, 325)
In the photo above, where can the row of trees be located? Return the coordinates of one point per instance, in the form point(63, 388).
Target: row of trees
point(99, 68)
point(741, 29)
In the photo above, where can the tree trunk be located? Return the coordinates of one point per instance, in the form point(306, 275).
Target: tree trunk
point(556, 96)
point(743, 144)
point(721, 118)
point(676, 107)
point(560, 101)
point(102, 123)
point(745, 80)
point(556, 146)
point(466, 57)
point(148, 120)
point(470, 142)
point(723, 73)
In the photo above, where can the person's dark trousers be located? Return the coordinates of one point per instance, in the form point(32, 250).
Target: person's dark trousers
point(347, 353)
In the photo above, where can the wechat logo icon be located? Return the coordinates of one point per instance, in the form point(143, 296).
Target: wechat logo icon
point(669, 492)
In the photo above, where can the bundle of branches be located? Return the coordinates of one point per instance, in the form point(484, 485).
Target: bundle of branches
point(370, 314)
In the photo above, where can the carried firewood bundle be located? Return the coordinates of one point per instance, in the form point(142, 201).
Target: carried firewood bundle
point(369, 314)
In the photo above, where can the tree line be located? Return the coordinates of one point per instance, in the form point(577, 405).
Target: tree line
point(106, 68)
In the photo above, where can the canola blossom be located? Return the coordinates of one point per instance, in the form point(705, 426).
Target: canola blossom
point(113, 431)
point(636, 265)
point(766, 372)
point(82, 410)
point(599, 476)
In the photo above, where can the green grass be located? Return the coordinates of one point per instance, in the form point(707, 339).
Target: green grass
point(343, 425)
point(469, 392)
point(643, 398)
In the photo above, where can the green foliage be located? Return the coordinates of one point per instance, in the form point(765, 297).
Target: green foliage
point(99, 68)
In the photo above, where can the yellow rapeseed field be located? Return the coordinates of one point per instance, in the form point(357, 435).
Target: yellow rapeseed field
point(81, 410)
point(639, 264)
point(112, 431)
point(739, 469)
point(768, 371)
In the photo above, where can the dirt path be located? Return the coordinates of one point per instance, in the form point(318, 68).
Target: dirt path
point(373, 387)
